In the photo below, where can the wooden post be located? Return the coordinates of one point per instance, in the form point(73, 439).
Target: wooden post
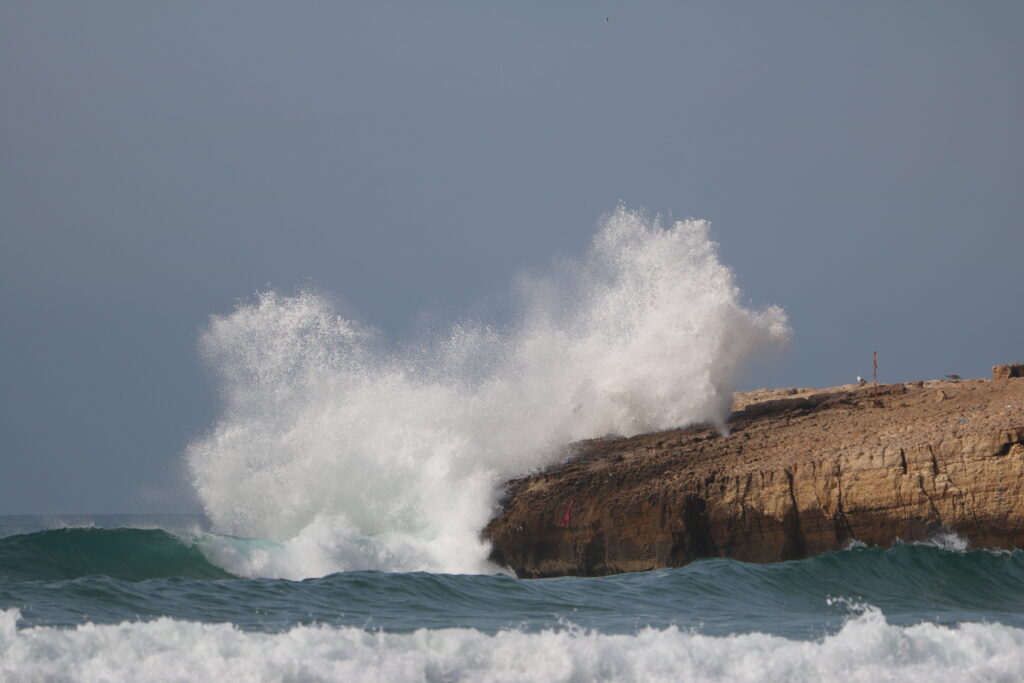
point(875, 377)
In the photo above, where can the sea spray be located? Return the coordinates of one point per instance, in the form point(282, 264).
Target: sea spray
point(353, 457)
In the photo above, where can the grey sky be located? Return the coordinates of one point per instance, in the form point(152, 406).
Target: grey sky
point(861, 164)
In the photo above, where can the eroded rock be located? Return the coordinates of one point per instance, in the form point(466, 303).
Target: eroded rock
point(1007, 371)
point(798, 474)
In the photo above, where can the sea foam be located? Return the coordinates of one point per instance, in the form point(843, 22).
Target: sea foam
point(345, 453)
point(865, 649)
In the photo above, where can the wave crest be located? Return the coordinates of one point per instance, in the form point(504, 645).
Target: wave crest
point(128, 554)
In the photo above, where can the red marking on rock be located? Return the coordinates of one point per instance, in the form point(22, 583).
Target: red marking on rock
point(568, 515)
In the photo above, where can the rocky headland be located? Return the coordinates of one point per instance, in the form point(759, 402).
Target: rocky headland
point(800, 472)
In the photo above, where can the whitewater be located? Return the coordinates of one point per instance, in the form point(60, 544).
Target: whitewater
point(867, 649)
point(346, 477)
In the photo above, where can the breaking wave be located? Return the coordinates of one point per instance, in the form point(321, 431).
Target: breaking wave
point(128, 554)
point(353, 455)
point(867, 648)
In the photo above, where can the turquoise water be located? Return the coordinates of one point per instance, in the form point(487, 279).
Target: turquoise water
point(67, 576)
point(143, 573)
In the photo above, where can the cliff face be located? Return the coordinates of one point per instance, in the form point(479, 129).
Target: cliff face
point(800, 472)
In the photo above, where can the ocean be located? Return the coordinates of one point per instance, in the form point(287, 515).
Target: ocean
point(118, 597)
point(346, 478)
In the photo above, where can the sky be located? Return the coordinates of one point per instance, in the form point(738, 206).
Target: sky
point(861, 165)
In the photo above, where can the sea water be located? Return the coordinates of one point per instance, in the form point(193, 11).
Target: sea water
point(346, 479)
point(135, 598)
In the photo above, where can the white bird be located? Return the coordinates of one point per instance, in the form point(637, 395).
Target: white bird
point(861, 381)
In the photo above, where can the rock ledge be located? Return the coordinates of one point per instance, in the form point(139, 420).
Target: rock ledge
point(802, 471)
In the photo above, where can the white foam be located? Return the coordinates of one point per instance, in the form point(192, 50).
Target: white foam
point(948, 540)
point(352, 457)
point(866, 649)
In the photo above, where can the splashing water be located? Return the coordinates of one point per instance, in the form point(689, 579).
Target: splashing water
point(345, 456)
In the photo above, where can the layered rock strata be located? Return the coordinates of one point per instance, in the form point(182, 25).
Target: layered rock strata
point(799, 472)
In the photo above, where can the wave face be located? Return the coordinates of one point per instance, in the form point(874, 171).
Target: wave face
point(356, 456)
point(127, 554)
point(867, 648)
point(112, 576)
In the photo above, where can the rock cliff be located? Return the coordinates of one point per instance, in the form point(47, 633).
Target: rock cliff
point(800, 472)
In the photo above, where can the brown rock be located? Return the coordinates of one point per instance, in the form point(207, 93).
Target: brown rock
point(1007, 371)
point(798, 476)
